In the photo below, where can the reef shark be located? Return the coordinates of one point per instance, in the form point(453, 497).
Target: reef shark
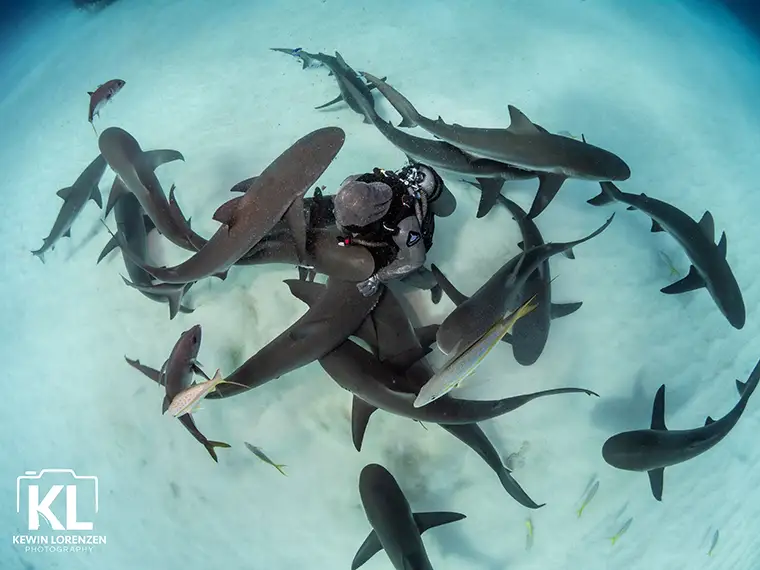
point(74, 198)
point(395, 528)
point(248, 219)
point(338, 313)
point(390, 335)
point(653, 449)
point(709, 267)
point(523, 145)
point(136, 169)
point(501, 293)
point(344, 75)
point(530, 333)
point(134, 226)
point(176, 375)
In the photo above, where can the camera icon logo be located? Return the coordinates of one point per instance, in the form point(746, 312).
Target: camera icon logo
point(44, 507)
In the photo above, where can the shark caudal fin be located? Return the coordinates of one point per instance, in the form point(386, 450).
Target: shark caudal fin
point(656, 476)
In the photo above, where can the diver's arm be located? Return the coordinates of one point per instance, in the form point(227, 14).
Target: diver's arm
point(411, 251)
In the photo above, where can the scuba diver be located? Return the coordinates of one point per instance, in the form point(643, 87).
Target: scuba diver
point(392, 215)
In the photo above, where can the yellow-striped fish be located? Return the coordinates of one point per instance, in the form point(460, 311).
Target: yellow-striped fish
point(460, 367)
point(621, 532)
point(190, 397)
point(591, 494)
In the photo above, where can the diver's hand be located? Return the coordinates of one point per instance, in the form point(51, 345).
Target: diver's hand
point(368, 287)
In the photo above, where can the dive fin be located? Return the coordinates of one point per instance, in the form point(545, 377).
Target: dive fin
point(338, 99)
point(490, 189)
point(243, 185)
point(367, 550)
point(64, 193)
point(361, 411)
point(689, 283)
point(656, 480)
point(658, 410)
point(519, 123)
point(548, 186)
point(225, 214)
point(110, 246)
point(707, 225)
point(155, 158)
point(118, 189)
point(427, 521)
point(722, 245)
point(451, 292)
point(559, 310)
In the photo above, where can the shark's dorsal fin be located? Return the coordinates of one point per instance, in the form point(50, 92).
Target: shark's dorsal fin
point(656, 227)
point(709, 421)
point(427, 521)
point(64, 193)
point(367, 550)
point(225, 214)
point(118, 190)
point(361, 411)
point(658, 410)
point(91, 93)
point(519, 123)
point(740, 386)
point(689, 283)
point(656, 480)
point(707, 225)
point(722, 245)
point(67, 233)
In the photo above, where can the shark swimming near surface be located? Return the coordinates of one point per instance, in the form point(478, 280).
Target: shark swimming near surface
point(709, 267)
point(74, 198)
point(654, 449)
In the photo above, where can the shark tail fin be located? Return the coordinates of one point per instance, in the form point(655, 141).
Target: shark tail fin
point(40, 253)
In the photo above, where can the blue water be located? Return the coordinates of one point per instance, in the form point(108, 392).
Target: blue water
point(671, 87)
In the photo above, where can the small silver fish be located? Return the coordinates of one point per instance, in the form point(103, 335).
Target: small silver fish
point(621, 532)
point(716, 536)
point(591, 494)
point(261, 455)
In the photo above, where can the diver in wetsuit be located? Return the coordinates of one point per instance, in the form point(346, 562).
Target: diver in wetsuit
point(392, 214)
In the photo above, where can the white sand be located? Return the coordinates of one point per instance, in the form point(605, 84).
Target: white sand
point(672, 89)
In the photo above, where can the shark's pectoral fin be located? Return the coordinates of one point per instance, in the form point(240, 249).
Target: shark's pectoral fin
point(151, 373)
point(367, 550)
point(118, 189)
point(155, 158)
point(658, 410)
point(722, 245)
point(548, 186)
point(361, 411)
point(338, 99)
point(559, 310)
point(656, 480)
point(427, 521)
point(656, 227)
point(490, 190)
point(689, 283)
point(519, 123)
point(110, 246)
point(64, 193)
point(305, 291)
point(243, 185)
point(451, 292)
point(426, 335)
point(707, 225)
